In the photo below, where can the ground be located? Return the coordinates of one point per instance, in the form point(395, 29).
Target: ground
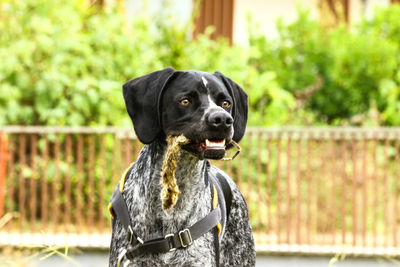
point(100, 258)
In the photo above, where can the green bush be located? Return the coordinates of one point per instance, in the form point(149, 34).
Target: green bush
point(57, 64)
point(337, 74)
point(354, 75)
point(385, 26)
point(63, 63)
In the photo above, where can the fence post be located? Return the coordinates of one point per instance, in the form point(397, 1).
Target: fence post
point(3, 168)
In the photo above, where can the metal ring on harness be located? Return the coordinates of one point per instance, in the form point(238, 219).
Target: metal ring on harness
point(181, 239)
point(166, 237)
point(121, 256)
point(131, 235)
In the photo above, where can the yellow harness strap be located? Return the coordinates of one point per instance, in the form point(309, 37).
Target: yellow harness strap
point(122, 181)
point(121, 188)
point(215, 204)
point(110, 210)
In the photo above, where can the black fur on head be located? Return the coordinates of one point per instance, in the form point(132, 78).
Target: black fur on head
point(240, 105)
point(153, 111)
point(141, 97)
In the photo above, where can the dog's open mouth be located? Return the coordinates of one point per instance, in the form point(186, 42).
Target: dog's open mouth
point(213, 148)
point(213, 144)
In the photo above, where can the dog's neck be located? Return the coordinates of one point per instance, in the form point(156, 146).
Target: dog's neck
point(190, 175)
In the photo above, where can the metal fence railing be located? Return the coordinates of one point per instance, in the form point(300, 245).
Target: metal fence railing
point(305, 187)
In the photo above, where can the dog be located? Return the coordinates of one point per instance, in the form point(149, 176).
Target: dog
point(210, 111)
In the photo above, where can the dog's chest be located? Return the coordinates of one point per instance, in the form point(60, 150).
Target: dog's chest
point(142, 193)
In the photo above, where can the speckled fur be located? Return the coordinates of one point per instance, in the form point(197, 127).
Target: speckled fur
point(142, 194)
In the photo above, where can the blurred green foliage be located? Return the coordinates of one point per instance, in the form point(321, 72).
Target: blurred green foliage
point(341, 75)
point(64, 62)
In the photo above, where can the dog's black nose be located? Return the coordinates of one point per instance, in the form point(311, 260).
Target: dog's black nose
point(220, 120)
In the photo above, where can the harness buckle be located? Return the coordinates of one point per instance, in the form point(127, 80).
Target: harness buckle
point(189, 235)
point(131, 235)
point(140, 240)
point(121, 256)
point(172, 248)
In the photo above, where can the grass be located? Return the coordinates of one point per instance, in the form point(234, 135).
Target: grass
point(27, 256)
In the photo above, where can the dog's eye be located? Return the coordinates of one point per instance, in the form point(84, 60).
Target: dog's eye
point(225, 104)
point(185, 102)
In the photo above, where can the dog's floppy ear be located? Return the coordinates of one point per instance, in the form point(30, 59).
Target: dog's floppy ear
point(240, 105)
point(141, 97)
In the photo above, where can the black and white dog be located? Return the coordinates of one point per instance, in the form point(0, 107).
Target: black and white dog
point(210, 110)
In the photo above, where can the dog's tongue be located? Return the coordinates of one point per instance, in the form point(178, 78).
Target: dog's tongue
point(215, 143)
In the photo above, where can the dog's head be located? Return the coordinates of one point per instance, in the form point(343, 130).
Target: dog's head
point(209, 109)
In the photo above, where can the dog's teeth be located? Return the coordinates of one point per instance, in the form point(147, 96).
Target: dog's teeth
point(215, 144)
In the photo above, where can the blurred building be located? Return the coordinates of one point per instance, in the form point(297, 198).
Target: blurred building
point(230, 17)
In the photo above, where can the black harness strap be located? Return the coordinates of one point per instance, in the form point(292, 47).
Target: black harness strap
point(225, 199)
point(226, 190)
point(215, 230)
point(119, 209)
point(181, 239)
